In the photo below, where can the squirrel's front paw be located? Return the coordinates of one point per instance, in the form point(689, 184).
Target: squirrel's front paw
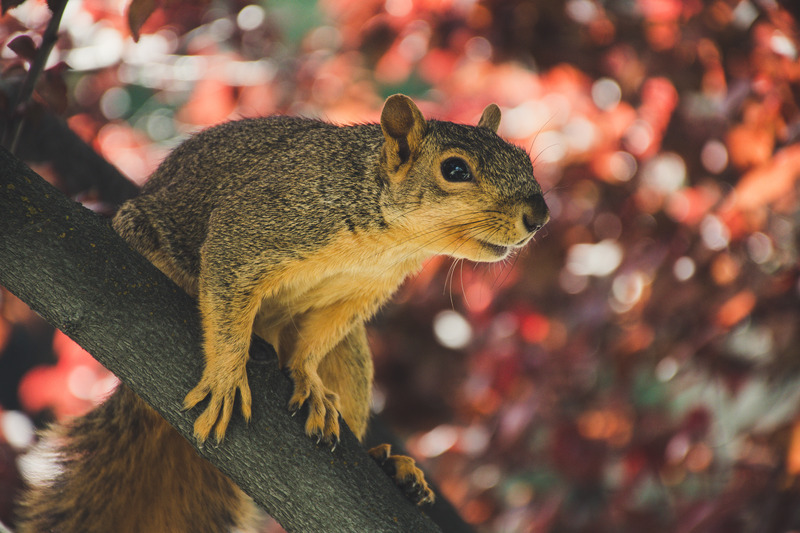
point(222, 387)
point(323, 406)
point(405, 473)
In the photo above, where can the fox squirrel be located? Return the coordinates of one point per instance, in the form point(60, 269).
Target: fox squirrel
point(296, 230)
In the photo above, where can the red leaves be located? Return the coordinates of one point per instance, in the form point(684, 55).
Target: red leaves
point(71, 387)
point(24, 47)
point(138, 13)
point(768, 183)
point(51, 88)
point(736, 309)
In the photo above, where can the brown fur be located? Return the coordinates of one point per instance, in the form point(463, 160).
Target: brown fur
point(298, 231)
point(123, 451)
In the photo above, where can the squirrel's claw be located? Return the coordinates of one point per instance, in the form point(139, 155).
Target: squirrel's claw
point(217, 415)
point(405, 473)
point(323, 407)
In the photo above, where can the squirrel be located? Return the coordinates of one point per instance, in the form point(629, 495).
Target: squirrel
point(296, 230)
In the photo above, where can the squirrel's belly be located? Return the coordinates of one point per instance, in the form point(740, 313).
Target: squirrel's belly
point(279, 319)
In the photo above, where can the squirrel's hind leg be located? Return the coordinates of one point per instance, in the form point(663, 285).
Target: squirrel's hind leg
point(405, 473)
point(328, 336)
point(348, 371)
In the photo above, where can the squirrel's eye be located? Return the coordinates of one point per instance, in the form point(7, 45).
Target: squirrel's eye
point(456, 169)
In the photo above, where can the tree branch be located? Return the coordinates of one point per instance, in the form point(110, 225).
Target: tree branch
point(71, 268)
point(47, 138)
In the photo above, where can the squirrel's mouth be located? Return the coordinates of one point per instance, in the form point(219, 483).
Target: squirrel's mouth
point(495, 249)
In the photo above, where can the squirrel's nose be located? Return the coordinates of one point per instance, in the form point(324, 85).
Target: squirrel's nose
point(535, 213)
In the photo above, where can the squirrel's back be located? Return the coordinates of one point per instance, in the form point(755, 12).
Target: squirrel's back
point(307, 170)
point(271, 148)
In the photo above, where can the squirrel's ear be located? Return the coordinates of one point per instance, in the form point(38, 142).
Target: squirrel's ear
point(404, 127)
point(490, 118)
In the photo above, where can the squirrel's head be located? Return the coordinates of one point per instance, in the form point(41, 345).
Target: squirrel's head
point(460, 190)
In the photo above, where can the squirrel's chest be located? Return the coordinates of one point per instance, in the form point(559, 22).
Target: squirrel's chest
point(339, 286)
point(359, 272)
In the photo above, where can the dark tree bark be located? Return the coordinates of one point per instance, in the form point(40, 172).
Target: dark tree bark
point(71, 268)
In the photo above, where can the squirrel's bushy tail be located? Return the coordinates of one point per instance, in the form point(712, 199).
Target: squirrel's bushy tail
point(123, 468)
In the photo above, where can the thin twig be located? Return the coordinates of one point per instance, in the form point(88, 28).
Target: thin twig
point(49, 38)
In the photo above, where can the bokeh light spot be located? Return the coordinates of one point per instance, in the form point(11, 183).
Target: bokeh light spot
point(714, 232)
point(17, 429)
point(599, 259)
point(437, 441)
point(666, 369)
point(115, 103)
point(452, 330)
point(684, 268)
point(606, 94)
point(714, 156)
point(250, 17)
point(80, 382)
point(399, 8)
point(665, 173)
point(760, 248)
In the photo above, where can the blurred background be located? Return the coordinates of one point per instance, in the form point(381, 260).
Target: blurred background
point(637, 368)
